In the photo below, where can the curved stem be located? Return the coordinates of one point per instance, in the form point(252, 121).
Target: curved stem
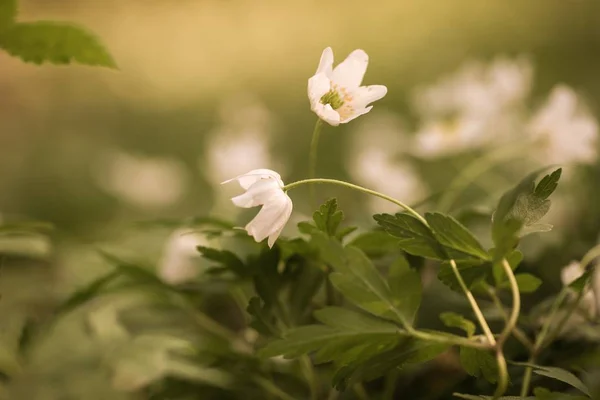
point(407, 208)
point(480, 318)
point(312, 155)
point(516, 304)
point(502, 374)
point(475, 169)
point(517, 332)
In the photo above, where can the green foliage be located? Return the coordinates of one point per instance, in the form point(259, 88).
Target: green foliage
point(262, 319)
point(560, 375)
point(527, 283)
point(457, 241)
point(328, 218)
point(545, 394)
point(454, 320)
point(375, 243)
point(471, 271)
point(521, 207)
point(474, 397)
point(579, 284)
point(415, 238)
point(514, 258)
point(479, 363)
point(8, 13)
point(359, 281)
point(225, 260)
point(56, 43)
point(88, 292)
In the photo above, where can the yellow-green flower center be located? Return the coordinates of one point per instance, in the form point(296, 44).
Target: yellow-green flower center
point(333, 99)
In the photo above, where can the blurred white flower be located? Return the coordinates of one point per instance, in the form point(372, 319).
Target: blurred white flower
point(568, 275)
point(264, 188)
point(148, 182)
point(241, 143)
point(181, 261)
point(336, 94)
point(563, 130)
point(372, 161)
point(478, 104)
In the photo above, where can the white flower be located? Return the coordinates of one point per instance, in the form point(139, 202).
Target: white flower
point(563, 130)
point(335, 94)
point(181, 261)
point(569, 274)
point(264, 188)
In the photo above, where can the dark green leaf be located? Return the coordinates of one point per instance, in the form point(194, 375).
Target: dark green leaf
point(86, 293)
point(471, 272)
point(459, 243)
point(225, 259)
point(479, 363)
point(56, 43)
point(414, 237)
point(564, 376)
point(454, 320)
point(545, 394)
point(345, 319)
point(8, 13)
point(307, 282)
point(527, 283)
point(263, 321)
point(328, 217)
point(375, 243)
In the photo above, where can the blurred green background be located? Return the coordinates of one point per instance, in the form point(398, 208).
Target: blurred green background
point(93, 151)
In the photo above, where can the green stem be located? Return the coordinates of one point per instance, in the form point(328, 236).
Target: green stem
point(272, 389)
point(407, 208)
point(502, 374)
point(527, 377)
point(517, 332)
point(474, 170)
point(482, 322)
point(311, 378)
point(450, 340)
point(312, 155)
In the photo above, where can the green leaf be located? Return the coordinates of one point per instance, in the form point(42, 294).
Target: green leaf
point(56, 43)
point(579, 284)
point(375, 243)
point(480, 397)
point(514, 258)
point(342, 233)
point(328, 217)
point(359, 281)
point(263, 321)
point(87, 293)
point(8, 13)
point(345, 319)
point(225, 259)
point(472, 272)
point(562, 375)
point(527, 283)
point(415, 238)
point(454, 320)
point(479, 363)
point(521, 207)
point(545, 394)
point(459, 243)
point(405, 285)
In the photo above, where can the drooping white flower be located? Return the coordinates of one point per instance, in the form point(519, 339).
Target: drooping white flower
point(264, 188)
point(563, 130)
point(568, 275)
point(336, 94)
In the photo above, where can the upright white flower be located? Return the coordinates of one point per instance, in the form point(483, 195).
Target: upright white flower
point(336, 94)
point(264, 188)
point(563, 130)
point(568, 275)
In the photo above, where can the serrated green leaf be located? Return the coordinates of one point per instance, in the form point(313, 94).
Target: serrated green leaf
point(414, 237)
point(225, 259)
point(562, 375)
point(479, 363)
point(263, 321)
point(8, 13)
point(56, 43)
point(527, 283)
point(459, 243)
point(307, 228)
point(328, 217)
point(521, 207)
point(454, 320)
point(406, 287)
point(514, 258)
point(375, 243)
point(472, 272)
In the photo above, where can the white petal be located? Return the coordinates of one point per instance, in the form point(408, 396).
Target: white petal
point(326, 62)
point(365, 95)
point(283, 219)
point(356, 114)
point(268, 220)
point(259, 193)
point(318, 85)
point(350, 72)
point(596, 288)
point(327, 114)
point(246, 180)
